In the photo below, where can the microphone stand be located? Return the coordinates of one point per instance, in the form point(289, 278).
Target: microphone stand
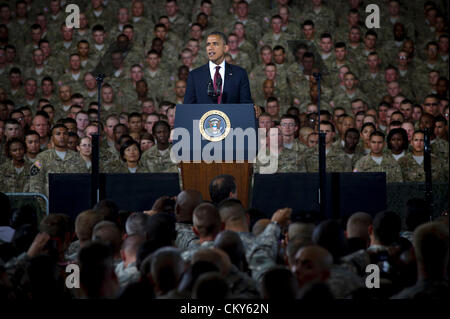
point(95, 175)
point(322, 158)
point(427, 169)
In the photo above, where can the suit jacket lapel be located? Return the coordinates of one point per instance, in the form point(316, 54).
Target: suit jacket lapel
point(228, 78)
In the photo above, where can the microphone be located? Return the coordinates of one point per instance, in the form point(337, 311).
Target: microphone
point(219, 86)
point(210, 90)
point(100, 77)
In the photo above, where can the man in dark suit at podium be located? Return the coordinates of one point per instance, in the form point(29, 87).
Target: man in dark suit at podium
point(218, 82)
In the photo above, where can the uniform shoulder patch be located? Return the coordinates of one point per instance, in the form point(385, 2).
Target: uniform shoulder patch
point(35, 168)
point(355, 170)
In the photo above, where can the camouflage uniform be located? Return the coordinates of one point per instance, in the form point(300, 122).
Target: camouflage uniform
point(185, 236)
point(76, 84)
point(10, 180)
point(61, 53)
point(325, 20)
point(249, 48)
point(388, 165)
point(248, 240)
point(373, 86)
point(336, 160)
point(49, 162)
point(32, 73)
point(289, 161)
point(241, 285)
point(414, 172)
point(264, 253)
point(127, 275)
point(188, 254)
point(439, 147)
point(113, 109)
point(157, 163)
point(157, 82)
point(253, 29)
point(343, 100)
point(243, 60)
point(105, 18)
point(123, 169)
point(343, 282)
point(271, 39)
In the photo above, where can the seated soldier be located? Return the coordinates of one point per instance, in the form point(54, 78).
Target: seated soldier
point(336, 160)
point(15, 173)
point(397, 142)
point(59, 159)
point(130, 154)
point(157, 159)
point(207, 225)
point(412, 163)
point(376, 161)
point(351, 148)
point(275, 158)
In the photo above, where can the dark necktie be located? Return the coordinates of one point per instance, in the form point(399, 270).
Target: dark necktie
point(218, 80)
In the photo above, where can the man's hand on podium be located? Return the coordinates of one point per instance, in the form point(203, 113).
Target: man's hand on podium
point(257, 110)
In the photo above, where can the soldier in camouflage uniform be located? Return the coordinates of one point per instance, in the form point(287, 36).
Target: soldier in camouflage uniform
point(412, 163)
point(239, 56)
point(15, 173)
point(266, 249)
point(323, 16)
point(287, 160)
point(439, 147)
point(62, 49)
point(185, 204)
point(376, 161)
point(336, 160)
point(207, 224)
point(157, 159)
point(50, 161)
point(276, 37)
point(344, 99)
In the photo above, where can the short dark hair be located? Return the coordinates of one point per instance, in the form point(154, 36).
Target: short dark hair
point(386, 227)
point(126, 145)
point(400, 131)
point(378, 133)
point(221, 186)
point(58, 126)
point(9, 143)
point(159, 123)
point(220, 34)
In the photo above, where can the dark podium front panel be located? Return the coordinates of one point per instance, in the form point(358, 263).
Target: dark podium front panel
point(138, 192)
point(346, 193)
point(70, 193)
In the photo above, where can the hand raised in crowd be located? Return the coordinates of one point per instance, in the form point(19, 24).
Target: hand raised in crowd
point(282, 216)
point(38, 244)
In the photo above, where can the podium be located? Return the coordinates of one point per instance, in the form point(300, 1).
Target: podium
point(214, 139)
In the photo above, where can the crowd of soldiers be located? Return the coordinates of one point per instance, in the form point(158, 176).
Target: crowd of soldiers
point(382, 90)
point(187, 248)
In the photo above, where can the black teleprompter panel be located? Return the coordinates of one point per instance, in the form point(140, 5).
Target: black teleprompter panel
point(70, 193)
point(346, 193)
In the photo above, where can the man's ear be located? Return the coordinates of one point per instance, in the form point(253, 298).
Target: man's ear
point(195, 230)
point(370, 230)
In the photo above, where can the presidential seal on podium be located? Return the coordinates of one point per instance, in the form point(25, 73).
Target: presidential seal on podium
point(214, 125)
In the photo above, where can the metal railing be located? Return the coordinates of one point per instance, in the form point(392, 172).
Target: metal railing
point(33, 195)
